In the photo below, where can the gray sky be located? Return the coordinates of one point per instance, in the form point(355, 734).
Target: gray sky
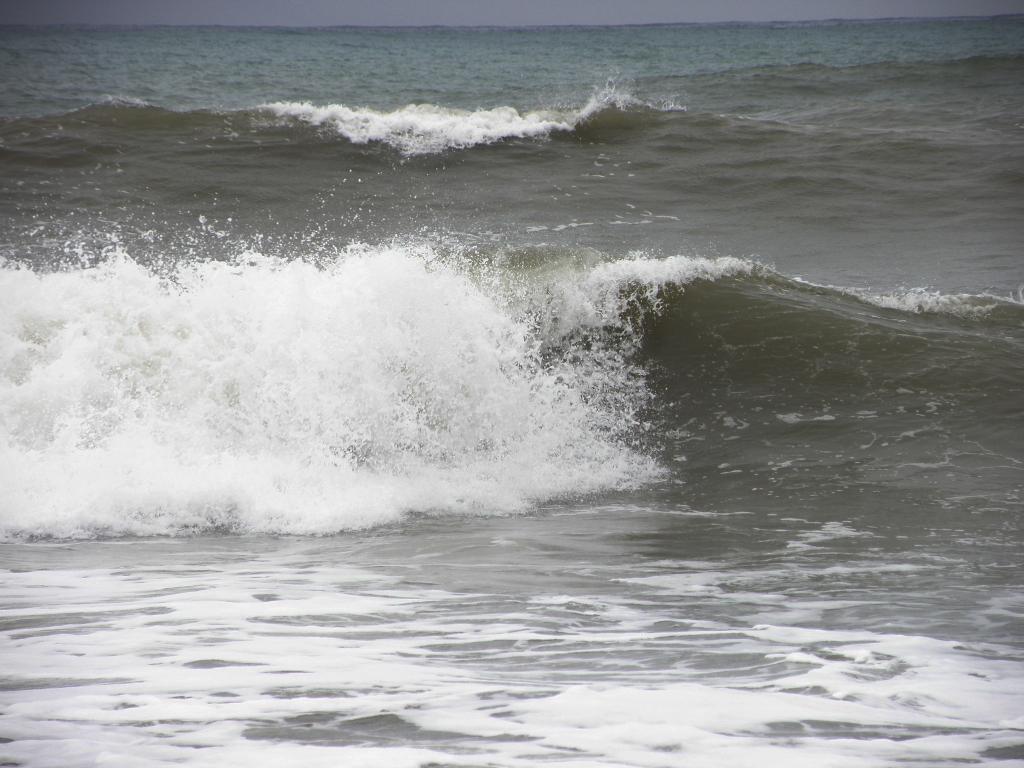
point(476, 12)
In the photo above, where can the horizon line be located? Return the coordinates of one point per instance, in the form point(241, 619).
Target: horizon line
point(567, 25)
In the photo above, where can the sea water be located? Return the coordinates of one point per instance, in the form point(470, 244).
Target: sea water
point(640, 396)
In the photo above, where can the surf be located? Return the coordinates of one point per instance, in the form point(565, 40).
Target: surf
point(271, 396)
point(311, 396)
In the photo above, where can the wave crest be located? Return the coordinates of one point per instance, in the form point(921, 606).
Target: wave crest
point(421, 129)
point(270, 396)
point(926, 301)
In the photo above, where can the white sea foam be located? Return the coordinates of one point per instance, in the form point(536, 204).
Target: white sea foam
point(198, 656)
point(596, 298)
point(269, 396)
point(922, 300)
point(970, 306)
point(116, 100)
point(419, 129)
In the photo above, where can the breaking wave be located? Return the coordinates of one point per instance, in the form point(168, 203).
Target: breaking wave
point(413, 129)
point(928, 301)
point(269, 396)
point(322, 395)
point(419, 129)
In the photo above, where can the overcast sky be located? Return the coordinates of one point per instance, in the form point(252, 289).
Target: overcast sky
point(476, 12)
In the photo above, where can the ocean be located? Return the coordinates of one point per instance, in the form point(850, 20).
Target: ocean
point(494, 397)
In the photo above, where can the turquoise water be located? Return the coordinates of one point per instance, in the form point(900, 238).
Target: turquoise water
point(50, 70)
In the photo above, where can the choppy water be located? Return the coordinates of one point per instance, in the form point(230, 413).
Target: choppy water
point(631, 396)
